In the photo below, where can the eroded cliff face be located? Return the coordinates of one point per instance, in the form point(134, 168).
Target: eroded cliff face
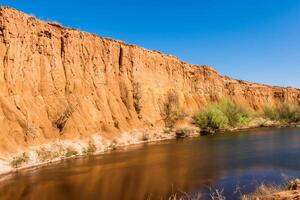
point(58, 82)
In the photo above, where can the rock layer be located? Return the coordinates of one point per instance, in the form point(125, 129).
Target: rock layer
point(58, 82)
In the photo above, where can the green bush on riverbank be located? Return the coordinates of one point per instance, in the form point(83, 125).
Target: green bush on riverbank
point(227, 114)
point(211, 117)
point(285, 112)
point(224, 114)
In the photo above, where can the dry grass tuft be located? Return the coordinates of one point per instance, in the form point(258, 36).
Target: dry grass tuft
point(264, 190)
point(19, 160)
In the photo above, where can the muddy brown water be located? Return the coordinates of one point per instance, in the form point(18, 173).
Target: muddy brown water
point(233, 162)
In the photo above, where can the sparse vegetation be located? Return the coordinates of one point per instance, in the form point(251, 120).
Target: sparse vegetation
point(264, 190)
point(183, 133)
point(284, 112)
point(270, 113)
point(167, 130)
point(113, 145)
point(90, 150)
point(214, 195)
point(224, 114)
point(171, 111)
point(236, 115)
point(197, 196)
point(217, 195)
point(145, 137)
point(62, 120)
point(19, 160)
point(71, 152)
point(46, 154)
point(32, 20)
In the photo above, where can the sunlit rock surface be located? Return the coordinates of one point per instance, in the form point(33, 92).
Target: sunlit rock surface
point(61, 83)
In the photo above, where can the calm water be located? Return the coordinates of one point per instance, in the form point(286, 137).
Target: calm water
point(228, 161)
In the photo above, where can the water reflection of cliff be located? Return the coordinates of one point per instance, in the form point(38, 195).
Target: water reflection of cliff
point(156, 170)
point(149, 171)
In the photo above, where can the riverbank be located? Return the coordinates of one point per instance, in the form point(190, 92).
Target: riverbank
point(253, 124)
point(229, 161)
point(56, 151)
point(45, 154)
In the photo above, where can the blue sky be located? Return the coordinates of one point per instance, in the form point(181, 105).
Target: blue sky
point(255, 40)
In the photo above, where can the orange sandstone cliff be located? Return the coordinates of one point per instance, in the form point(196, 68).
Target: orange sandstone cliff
point(61, 83)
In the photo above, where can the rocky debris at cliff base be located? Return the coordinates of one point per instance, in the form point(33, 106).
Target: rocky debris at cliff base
point(187, 131)
point(207, 131)
point(182, 133)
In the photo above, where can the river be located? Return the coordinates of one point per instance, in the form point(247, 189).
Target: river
point(233, 162)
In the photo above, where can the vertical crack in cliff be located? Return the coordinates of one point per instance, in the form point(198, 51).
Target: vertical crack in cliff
point(121, 85)
point(121, 54)
point(5, 66)
point(62, 56)
point(53, 64)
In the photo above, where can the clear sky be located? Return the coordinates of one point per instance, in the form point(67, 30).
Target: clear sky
point(255, 40)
